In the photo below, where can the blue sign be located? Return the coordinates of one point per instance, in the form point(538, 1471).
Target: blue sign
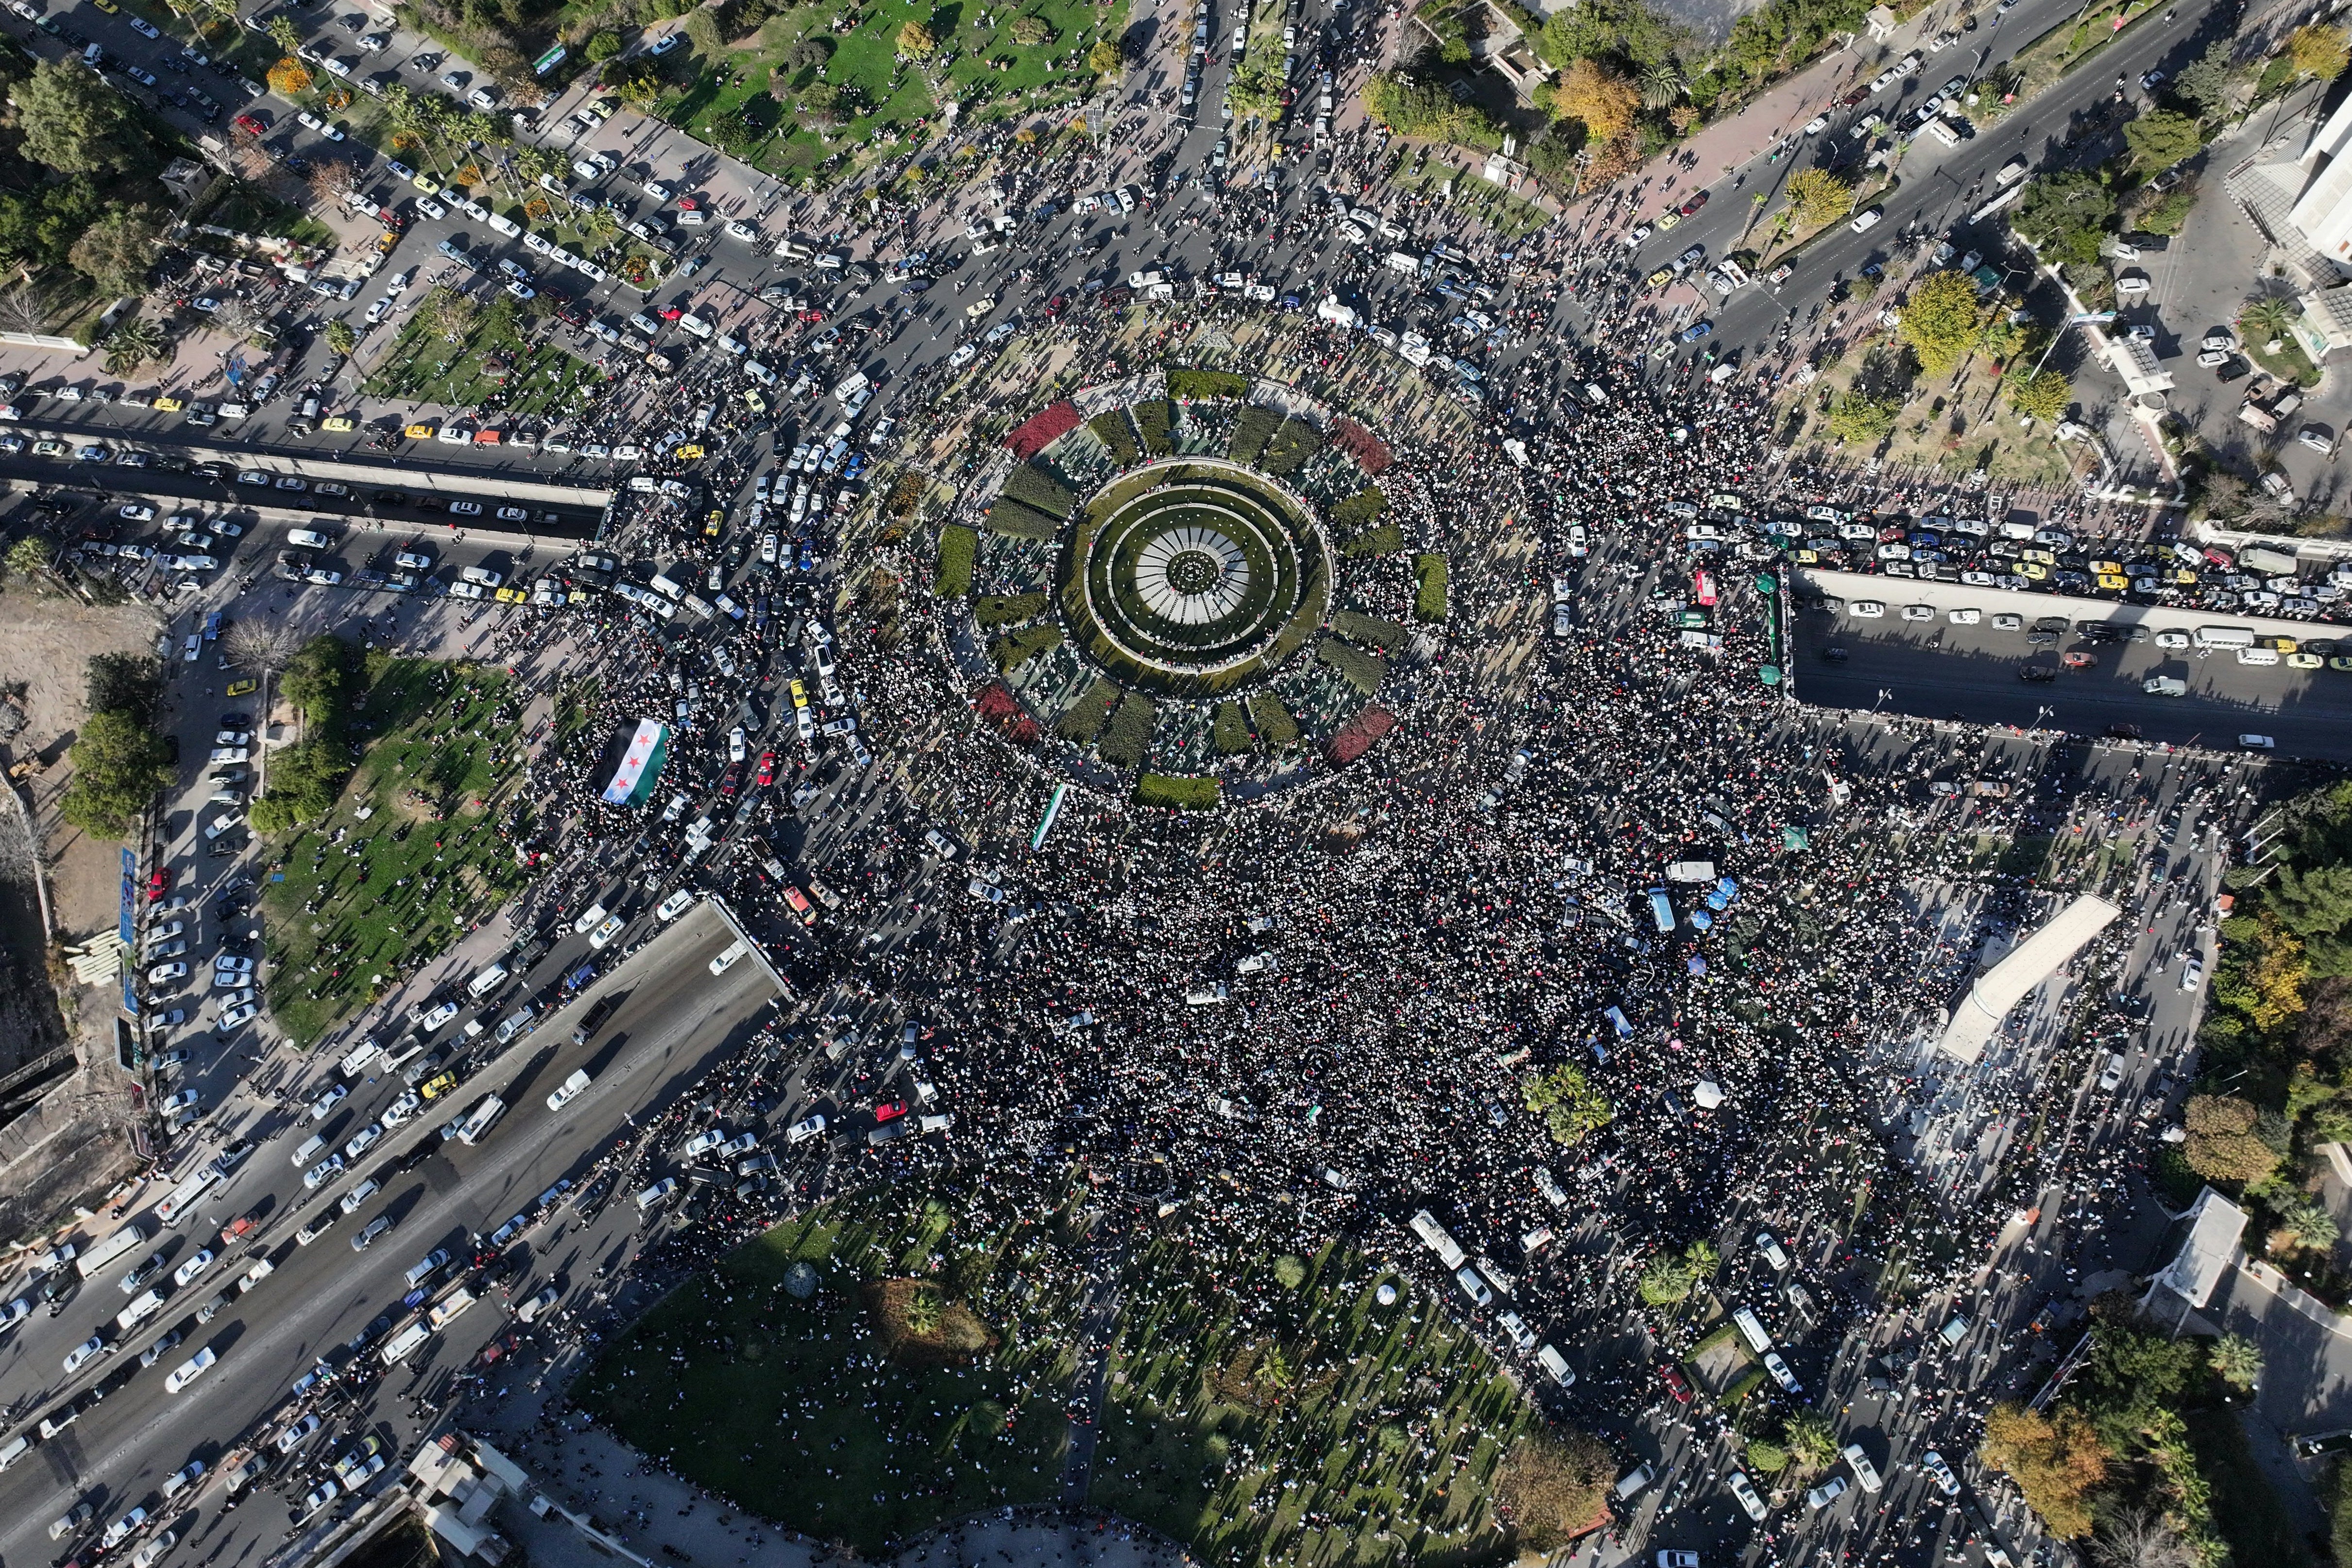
point(236, 367)
point(127, 909)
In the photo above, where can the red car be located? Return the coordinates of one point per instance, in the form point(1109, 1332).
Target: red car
point(2079, 660)
point(1690, 207)
point(250, 126)
point(767, 768)
point(891, 1109)
point(1675, 1384)
point(672, 312)
point(159, 884)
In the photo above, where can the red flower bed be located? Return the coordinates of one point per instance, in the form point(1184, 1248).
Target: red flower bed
point(1042, 429)
point(1000, 712)
point(1357, 736)
point(1371, 454)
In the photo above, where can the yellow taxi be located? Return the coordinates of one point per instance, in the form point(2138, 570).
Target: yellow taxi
point(689, 452)
point(2113, 581)
point(800, 694)
point(240, 687)
point(1668, 218)
point(712, 524)
point(339, 422)
point(106, 5)
point(385, 241)
point(419, 431)
point(2107, 568)
point(512, 594)
point(2040, 557)
point(170, 404)
point(424, 182)
point(1805, 557)
point(1658, 278)
point(2032, 571)
point(2284, 645)
point(2304, 661)
point(754, 401)
point(439, 1085)
point(2182, 577)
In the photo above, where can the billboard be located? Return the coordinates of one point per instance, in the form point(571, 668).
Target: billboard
point(641, 764)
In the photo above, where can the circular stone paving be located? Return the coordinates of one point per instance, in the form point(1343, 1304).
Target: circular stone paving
point(1186, 579)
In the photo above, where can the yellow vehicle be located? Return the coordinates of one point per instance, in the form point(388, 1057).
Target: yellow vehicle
point(1668, 218)
point(240, 687)
point(754, 401)
point(2284, 645)
point(2040, 557)
point(2183, 577)
point(511, 595)
point(2304, 661)
point(2114, 583)
point(2032, 571)
point(1658, 278)
point(385, 241)
point(434, 1088)
point(419, 431)
point(424, 182)
point(106, 5)
point(2107, 568)
point(689, 452)
point(713, 523)
point(170, 404)
point(800, 694)
point(338, 422)
point(1805, 557)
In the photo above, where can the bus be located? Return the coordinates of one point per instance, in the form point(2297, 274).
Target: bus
point(129, 1238)
point(479, 1121)
point(182, 1198)
point(1435, 1236)
point(1703, 588)
point(1662, 911)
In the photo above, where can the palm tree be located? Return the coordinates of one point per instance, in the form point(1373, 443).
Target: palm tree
point(2266, 317)
point(31, 556)
point(600, 222)
point(1662, 84)
point(284, 35)
point(340, 339)
point(924, 1309)
point(1704, 1260)
point(133, 344)
point(1667, 1281)
point(482, 129)
point(1813, 1447)
point(2237, 1360)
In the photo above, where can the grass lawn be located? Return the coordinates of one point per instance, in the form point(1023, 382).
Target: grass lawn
point(1388, 1421)
point(755, 1395)
point(1508, 216)
point(1924, 433)
point(416, 882)
point(734, 104)
point(536, 377)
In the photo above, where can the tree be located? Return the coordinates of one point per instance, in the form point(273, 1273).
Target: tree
point(2266, 319)
point(1032, 32)
point(2055, 1462)
point(130, 683)
point(702, 31)
point(637, 79)
point(119, 766)
point(917, 40)
point(288, 77)
point(1599, 97)
point(132, 343)
point(2042, 395)
point(2063, 216)
point(453, 314)
point(1812, 1445)
point(2221, 1144)
point(1942, 321)
point(2319, 50)
point(260, 646)
point(67, 118)
point(1411, 108)
point(810, 54)
point(602, 46)
point(115, 252)
point(924, 1310)
point(24, 308)
point(331, 179)
point(282, 32)
point(2161, 137)
point(32, 556)
point(2236, 1361)
point(340, 339)
point(1552, 1486)
point(1818, 198)
point(1667, 1281)
point(1571, 1106)
point(1103, 59)
point(2137, 1538)
point(2203, 83)
point(1662, 84)
point(2005, 339)
point(1859, 419)
point(821, 105)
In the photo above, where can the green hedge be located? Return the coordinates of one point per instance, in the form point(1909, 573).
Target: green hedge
point(1153, 421)
point(1366, 506)
point(1033, 486)
point(1370, 630)
point(1118, 434)
point(1252, 431)
point(1011, 652)
point(1184, 793)
point(1085, 719)
point(1128, 739)
point(1229, 733)
point(994, 610)
point(1274, 724)
point(958, 546)
point(1429, 597)
point(1207, 384)
point(1358, 668)
point(1292, 445)
point(1383, 539)
point(1017, 519)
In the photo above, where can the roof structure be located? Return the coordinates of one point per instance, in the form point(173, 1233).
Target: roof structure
point(2016, 976)
point(2215, 1226)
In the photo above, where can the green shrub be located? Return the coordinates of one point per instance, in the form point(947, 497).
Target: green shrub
point(1199, 384)
point(1272, 721)
point(1118, 434)
point(1291, 446)
point(1358, 668)
point(958, 546)
point(1370, 630)
point(1019, 520)
point(1229, 733)
point(1430, 574)
point(1183, 794)
point(994, 610)
point(1366, 506)
point(1033, 486)
point(1153, 421)
point(1252, 431)
point(119, 765)
point(1128, 739)
point(1382, 539)
point(1085, 719)
point(1011, 652)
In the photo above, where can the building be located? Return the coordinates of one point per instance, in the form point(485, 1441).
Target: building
point(2029, 963)
point(2326, 325)
point(458, 1482)
point(2303, 202)
point(2207, 1248)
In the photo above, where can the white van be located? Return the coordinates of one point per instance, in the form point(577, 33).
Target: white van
point(16, 1449)
point(653, 1196)
point(479, 1121)
point(309, 1151)
point(488, 980)
point(1555, 1364)
point(139, 1312)
point(402, 1344)
point(308, 539)
point(1751, 1328)
point(2225, 636)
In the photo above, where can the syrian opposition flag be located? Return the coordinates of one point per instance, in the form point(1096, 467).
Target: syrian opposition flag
point(640, 765)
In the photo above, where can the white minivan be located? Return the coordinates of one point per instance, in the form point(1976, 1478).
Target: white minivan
point(487, 981)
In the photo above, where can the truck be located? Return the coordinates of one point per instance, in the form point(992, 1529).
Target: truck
point(180, 1199)
point(1435, 1236)
point(447, 1308)
point(98, 1254)
point(404, 1342)
point(2012, 170)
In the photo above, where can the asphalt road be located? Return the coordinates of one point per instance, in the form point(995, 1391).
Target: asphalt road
point(675, 1021)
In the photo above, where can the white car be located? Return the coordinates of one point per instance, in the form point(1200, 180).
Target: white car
point(607, 931)
point(1868, 610)
point(2194, 976)
point(1744, 1491)
point(360, 1195)
point(1945, 1482)
point(193, 1269)
point(325, 1171)
point(438, 1017)
point(121, 1530)
point(291, 1438)
point(324, 1106)
point(164, 974)
point(152, 1552)
point(188, 1371)
point(363, 1141)
point(702, 1143)
point(244, 1012)
point(82, 1353)
point(803, 1130)
point(401, 1109)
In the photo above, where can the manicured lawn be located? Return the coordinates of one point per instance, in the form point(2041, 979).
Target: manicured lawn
point(792, 1408)
point(496, 367)
point(436, 853)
